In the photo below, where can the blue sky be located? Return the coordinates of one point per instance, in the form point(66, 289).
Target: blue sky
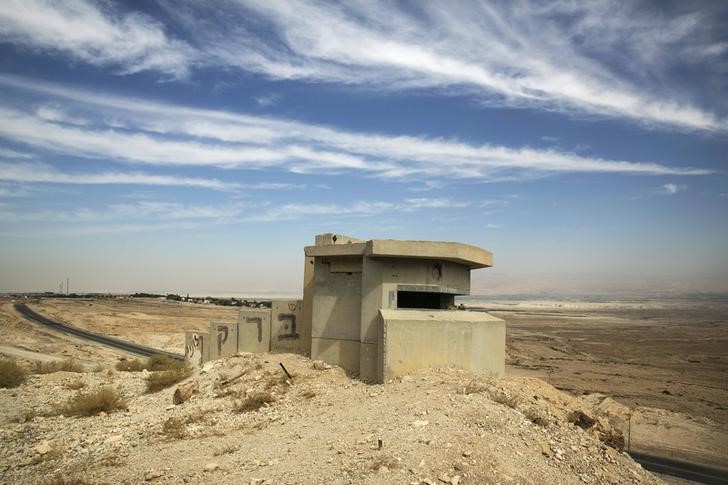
point(189, 147)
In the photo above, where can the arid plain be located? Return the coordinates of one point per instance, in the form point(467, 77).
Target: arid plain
point(657, 368)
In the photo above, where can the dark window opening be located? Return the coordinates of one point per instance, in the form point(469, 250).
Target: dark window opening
point(424, 299)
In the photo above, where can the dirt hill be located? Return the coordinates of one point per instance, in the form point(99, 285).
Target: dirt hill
point(436, 426)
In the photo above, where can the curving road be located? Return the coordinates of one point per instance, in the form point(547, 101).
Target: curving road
point(85, 334)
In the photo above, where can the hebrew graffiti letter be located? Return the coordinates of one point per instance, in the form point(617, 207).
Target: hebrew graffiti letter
point(222, 336)
point(259, 321)
point(292, 334)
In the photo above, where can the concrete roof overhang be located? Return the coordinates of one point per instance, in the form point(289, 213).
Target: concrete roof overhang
point(465, 254)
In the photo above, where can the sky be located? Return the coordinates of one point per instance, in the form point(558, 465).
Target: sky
point(197, 147)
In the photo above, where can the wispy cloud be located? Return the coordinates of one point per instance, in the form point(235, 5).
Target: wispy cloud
point(163, 134)
point(600, 58)
point(268, 100)
point(137, 216)
point(6, 153)
point(672, 189)
point(97, 33)
point(44, 173)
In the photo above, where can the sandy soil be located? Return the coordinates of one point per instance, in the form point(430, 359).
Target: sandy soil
point(432, 427)
point(156, 323)
point(665, 363)
point(665, 367)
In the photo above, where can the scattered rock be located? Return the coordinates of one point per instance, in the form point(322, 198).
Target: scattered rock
point(152, 475)
point(43, 448)
point(211, 467)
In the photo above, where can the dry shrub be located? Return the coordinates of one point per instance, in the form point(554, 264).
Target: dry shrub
point(131, 365)
point(153, 363)
point(162, 362)
point(474, 387)
point(226, 450)
point(11, 374)
point(105, 399)
point(254, 401)
point(66, 365)
point(581, 419)
point(174, 429)
point(60, 480)
point(158, 380)
point(308, 394)
point(503, 397)
point(277, 382)
point(385, 460)
point(75, 385)
point(537, 416)
point(613, 437)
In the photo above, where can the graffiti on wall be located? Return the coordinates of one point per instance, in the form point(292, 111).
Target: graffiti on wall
point(258, 321)
point(222, 336)
point(292, 334)
point(193, 350)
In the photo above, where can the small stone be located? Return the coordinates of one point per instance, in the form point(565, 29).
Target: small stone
point(545, 449)
point(382, 470)
point(43, 448)
point(455, 480)
point(151, 475)
point(444, 478)
point(211, 467)
point(102, 414)
point(420, 423)
point(114, 439)
point(467, 453)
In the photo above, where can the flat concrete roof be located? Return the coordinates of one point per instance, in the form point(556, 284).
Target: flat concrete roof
point(465, 254)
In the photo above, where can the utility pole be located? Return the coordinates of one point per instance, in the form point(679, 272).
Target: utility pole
point(67, 286)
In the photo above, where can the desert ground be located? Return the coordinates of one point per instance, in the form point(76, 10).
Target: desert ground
point(663, 365)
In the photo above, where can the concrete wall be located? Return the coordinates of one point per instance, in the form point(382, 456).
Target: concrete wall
point(307, 314)
point(381, 279)
point(415, 339)
point(197, 349)
point(288, 331)
point(223, 339)
point(254, 330)
point(336, 315)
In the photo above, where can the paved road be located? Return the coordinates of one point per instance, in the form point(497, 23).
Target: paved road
point(676, 468)
point(85, 334)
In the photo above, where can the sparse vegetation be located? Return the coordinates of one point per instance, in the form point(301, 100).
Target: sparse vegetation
point(474, 387)
point(59, 480)
point(174, 429)
point(226, 450)
point(385, 460)
point(66, 365)
point(277, 382)
point(92, 403)
point(162, 362)
point(158, 380)
point(76, 385)
point(502, 397)
point(131, 365)
point(254, 401)
point(11, 374)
